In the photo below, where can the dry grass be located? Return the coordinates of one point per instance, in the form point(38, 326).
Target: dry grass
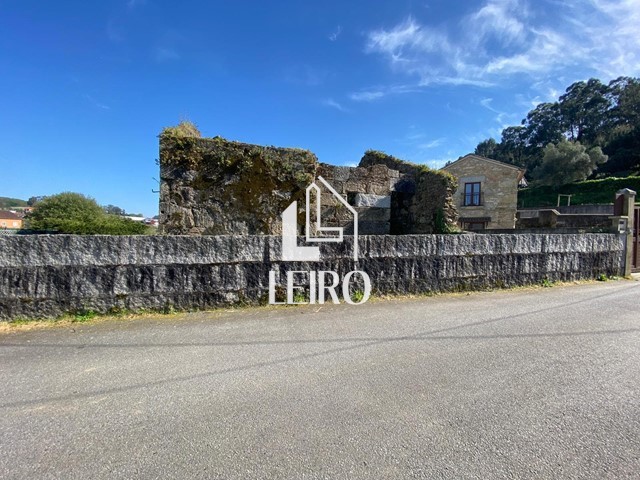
point(68, 321)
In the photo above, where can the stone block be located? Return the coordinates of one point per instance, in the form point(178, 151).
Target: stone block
point(372, 200)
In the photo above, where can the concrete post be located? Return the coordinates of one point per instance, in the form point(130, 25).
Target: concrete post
point(625, 200)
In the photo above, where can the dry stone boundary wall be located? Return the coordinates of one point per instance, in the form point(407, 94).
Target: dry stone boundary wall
point(48, 275)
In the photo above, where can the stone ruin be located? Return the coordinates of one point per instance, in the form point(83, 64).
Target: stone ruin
point(212, 186)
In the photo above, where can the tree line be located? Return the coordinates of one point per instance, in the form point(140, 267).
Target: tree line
point(591, 131)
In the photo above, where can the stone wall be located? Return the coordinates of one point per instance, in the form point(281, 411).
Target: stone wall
point(591, 209)
point(48, 275)
point(367, 189)
point(213, 186)
point(551, 218)
point(422, 198)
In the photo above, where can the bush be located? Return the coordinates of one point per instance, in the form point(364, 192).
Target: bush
point(75, 213)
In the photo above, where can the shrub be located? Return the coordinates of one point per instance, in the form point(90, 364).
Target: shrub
point(75, 213)
point(183, 129)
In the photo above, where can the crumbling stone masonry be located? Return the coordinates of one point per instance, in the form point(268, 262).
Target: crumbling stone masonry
point(209, 186)
point(367, 189)
point(421, 198)
point(212, 186)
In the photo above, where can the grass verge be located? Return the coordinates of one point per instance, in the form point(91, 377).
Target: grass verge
point(83, 317)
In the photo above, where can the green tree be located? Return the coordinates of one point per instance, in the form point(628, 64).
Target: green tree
point(75, 213)
point(513, 146)
point(584, 110)
point(33, 200)
point(544, 125)
point(589, 112)
point(7, 202)
point(114, 210)
point(567, 162)
point(624, 95)
point(623, 139)
point(624, 152)
point(487, 148)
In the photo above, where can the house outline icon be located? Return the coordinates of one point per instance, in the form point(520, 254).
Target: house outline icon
point(291, 251)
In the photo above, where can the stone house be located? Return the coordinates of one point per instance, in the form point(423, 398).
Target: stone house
point(487, 193)
point(10, 220)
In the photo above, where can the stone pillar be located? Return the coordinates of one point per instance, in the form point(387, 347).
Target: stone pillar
point(623, 209)
point(548, 218)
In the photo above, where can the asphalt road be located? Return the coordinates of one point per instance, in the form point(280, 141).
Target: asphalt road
point(519, 384)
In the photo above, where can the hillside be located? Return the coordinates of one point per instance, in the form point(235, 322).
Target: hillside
point(587, 192)
point(7, 202)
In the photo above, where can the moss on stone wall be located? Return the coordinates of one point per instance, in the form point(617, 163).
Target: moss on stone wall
point(217, 186)
point(430, 206)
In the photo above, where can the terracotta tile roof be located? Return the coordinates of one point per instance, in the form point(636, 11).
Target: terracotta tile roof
point(5, 215)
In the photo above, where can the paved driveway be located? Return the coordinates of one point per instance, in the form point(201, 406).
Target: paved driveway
point(524, 384)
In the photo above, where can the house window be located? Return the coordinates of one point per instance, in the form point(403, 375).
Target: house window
point(472, 196)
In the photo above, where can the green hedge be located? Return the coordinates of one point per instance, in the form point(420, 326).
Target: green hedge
point(587, 192)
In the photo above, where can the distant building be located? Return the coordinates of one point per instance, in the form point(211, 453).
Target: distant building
point(10, 220)
point(487, 194)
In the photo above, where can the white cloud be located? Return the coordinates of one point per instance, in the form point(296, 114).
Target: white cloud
point(406, 35)
point(504, 38)
point(432, 144)
point(438, 163)
point(96, 103)
point(449, 80)
point(333, 36)
point(416, 144)
point(500, 19)
point(366, 96)
point(486, 103)
point(413, 136)
point(330, 102)
point(379, 92)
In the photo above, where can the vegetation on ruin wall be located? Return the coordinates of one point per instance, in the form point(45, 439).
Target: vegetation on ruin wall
point(183, 146)
point(179, 146)
point(435, 211)
point(376, 157)
point(250, 177)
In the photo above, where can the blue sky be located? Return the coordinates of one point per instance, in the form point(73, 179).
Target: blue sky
point(87, 86)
